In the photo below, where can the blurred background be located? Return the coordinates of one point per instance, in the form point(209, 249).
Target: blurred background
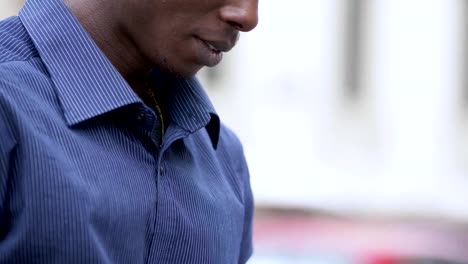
point(354, 119)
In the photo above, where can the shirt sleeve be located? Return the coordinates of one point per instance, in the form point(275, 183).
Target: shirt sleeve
point(7, 145)
point(247, 244)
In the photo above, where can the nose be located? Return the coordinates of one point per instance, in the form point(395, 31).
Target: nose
point(241, 14)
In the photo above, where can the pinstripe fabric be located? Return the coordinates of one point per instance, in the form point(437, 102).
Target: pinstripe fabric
point(83, 178)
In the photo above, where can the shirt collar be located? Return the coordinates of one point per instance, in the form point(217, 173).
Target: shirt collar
point(189, 105)
point(88, 85)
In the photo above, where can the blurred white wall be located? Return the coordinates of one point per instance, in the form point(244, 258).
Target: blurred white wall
point(400, 147)
point(9, 7)
point(397, 149)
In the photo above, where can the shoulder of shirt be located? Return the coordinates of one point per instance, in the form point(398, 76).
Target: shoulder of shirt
point(230, 145)
point(19, 60)
point(15, 43)
point(19, 65)
point(229, 138)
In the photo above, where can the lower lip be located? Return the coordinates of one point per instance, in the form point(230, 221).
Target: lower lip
point(207, 56)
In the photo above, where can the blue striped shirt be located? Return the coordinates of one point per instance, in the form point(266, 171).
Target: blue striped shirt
point(84, 175)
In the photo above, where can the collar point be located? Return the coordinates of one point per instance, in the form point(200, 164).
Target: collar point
point(213, 128)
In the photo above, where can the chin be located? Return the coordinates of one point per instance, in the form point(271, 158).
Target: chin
point(180, 70)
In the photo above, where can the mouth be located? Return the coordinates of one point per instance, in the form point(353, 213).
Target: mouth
point(217, 46)
point(210, 53)
point(211, 47)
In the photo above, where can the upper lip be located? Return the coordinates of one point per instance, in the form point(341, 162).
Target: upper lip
point(223, 46)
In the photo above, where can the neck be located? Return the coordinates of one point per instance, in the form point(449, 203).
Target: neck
point(101, 20)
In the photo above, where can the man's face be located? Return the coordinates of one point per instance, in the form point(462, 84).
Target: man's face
point(182, 36)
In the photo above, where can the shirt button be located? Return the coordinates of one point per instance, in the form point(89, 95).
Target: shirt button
point(161, 170)
point(140, 117)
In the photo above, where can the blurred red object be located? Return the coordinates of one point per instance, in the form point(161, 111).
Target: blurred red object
point(367, 241)
point(379, 258)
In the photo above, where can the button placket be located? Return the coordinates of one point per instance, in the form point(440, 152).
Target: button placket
point(161, 166)
point(161, 169)
point(140, 117)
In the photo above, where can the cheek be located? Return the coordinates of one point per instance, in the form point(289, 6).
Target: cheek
point(154, 40)
point(170, 46)
point(178, 45)
point(174, 54)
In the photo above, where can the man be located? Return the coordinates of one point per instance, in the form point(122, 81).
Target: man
point(110, 151)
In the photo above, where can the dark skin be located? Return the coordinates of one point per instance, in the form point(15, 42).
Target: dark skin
point(176, 36)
